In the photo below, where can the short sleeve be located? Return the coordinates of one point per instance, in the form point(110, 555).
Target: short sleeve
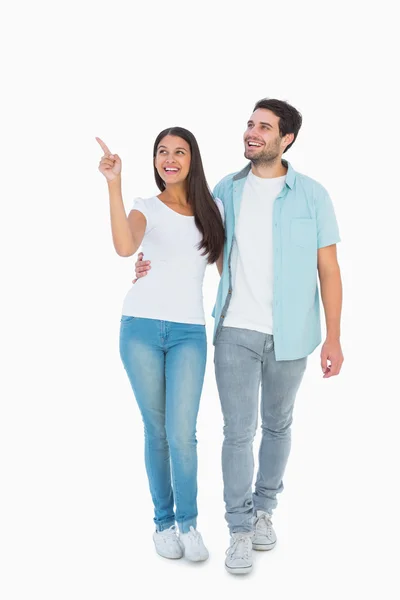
point(216, 190)
point(139, 204)
point(327, 226)
point(221, 209)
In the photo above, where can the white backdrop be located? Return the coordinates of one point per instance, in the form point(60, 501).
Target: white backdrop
point(76, 515)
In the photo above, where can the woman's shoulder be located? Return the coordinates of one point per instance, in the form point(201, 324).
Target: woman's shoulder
point(146, 205)
point(146, 201)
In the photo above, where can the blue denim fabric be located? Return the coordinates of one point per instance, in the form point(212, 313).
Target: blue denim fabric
point(244, 359)
point(165, 362)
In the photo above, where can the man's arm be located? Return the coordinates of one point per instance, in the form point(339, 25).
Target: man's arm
point(331, 293)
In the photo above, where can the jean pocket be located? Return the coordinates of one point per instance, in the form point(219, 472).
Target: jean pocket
point(127, 319)
point(303, 233)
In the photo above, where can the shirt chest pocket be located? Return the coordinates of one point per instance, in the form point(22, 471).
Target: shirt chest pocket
point(303, 233)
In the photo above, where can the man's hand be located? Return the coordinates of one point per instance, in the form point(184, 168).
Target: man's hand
point(141, 267)
point(331, 352)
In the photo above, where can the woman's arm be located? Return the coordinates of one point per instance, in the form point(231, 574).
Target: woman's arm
point(220, 262)
point(220, 204)
point(127, 232)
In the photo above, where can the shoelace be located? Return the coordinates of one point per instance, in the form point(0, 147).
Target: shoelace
point(240, 546)
point(168, 534)
point(194, 536)
point(265, 521)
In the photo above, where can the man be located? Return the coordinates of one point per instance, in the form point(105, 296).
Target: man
point(281, 232)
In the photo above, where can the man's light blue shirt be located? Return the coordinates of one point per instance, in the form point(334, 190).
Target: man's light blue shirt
point(303, 221)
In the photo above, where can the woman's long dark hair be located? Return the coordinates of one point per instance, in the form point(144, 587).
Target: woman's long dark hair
point(206, 214)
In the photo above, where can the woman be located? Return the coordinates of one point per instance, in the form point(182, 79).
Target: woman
point(162, 338)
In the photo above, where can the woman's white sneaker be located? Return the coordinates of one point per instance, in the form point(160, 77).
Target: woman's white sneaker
point(264, 534)
point(193, 545)
point(239, 560)
point(167, 543)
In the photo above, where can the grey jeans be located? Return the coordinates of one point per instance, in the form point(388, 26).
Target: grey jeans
point(244, 359)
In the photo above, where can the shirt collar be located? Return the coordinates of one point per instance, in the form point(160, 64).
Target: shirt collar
point(290, 175)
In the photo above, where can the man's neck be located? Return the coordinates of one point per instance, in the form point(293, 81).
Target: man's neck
point(269, 170)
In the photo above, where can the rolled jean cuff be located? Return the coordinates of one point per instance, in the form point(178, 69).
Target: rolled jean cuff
point(165, 525)
point(247, 530)
point(185, 526)
point(264, 503)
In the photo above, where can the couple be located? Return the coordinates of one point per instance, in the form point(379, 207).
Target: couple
point(270, 231)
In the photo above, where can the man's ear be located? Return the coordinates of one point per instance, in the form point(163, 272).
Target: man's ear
point(288, 139)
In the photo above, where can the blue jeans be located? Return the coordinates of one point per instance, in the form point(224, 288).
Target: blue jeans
point(165, 363)
point(244, 359)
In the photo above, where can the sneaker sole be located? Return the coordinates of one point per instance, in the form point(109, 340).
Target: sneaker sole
point(238, 570)
point(169, 557)
point(264, 546)
point(196, 559)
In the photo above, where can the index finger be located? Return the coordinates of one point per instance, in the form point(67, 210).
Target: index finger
point(105, 149)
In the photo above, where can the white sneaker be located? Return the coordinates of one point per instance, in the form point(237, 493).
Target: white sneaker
point(239, 559)
point(193, 545)
point(264, 534)
point(167, 543)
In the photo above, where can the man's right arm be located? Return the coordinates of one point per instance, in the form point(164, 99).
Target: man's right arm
point(141, 267)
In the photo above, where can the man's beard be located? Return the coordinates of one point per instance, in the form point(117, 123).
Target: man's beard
point(266, 157)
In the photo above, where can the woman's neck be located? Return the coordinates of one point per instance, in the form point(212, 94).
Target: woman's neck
point(175, 194)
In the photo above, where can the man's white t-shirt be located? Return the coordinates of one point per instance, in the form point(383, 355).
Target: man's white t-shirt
point(252, 256)
point(173, 288)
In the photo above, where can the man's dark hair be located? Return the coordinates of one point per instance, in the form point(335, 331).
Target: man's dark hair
point(290, 119)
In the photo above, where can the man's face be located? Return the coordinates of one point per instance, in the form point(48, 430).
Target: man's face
point(263, 143)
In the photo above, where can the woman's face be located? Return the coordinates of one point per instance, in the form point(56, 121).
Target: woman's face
point(172, 159)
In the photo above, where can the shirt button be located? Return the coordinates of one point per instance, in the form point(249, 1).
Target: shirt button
point(229, 291)
point(222, 316)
